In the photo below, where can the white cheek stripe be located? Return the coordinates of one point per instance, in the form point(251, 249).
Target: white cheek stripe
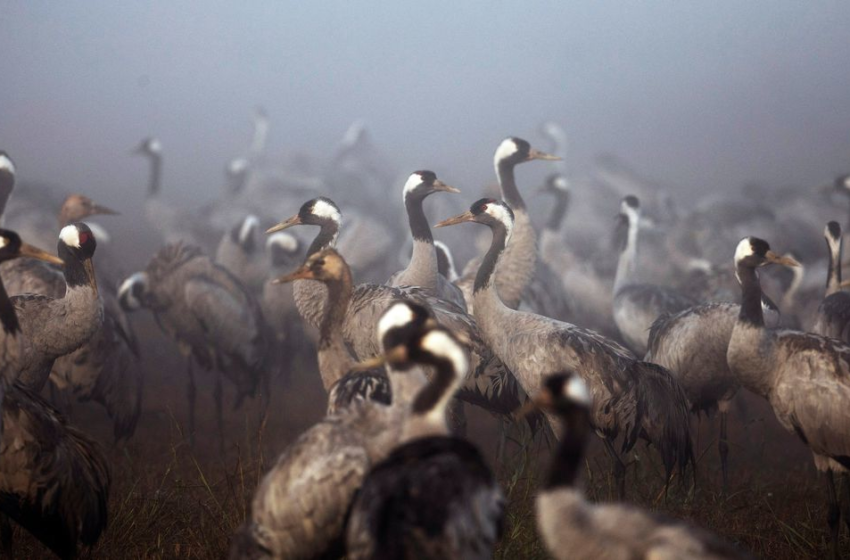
point(324, 210)
point(397, 315)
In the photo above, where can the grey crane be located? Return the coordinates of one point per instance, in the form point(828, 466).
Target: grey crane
point(692, 345)
point(434, 496)
point(300, 507)
point(573, 528)
point(804, 376)
point(519, 263)
point(80, 309)
point(423, 268)
point(490, 385)
point(213, 319)
point(637, 304)
point(102, 369)
point(631, 398)
point(833, 318)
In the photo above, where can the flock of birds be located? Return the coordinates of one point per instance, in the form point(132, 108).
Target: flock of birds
point(557, 327)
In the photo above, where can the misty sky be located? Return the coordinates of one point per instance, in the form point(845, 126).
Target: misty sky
point(706, 94)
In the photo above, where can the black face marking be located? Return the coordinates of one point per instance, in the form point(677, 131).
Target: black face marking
point(480, 206)
point(428, 177)
point(402, 335)
point(760, 246)
point(834, 230)
point(523, 147)
point(632, 201)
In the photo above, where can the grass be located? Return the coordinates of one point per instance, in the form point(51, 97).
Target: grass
point(169, 500)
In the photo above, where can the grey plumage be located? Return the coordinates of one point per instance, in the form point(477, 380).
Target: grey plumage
point(804, 376)
point(300, 507)
point(213, 319)
point(631, 398)
point(518, 265)
point(53, 327)
point(423, 268)
point(489, 384)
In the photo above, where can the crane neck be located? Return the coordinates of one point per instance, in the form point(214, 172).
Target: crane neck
point(627, 263)
point(8, 316)
point(335, 360)
point(751, 295)
point(7, 185)
point(833, 278)
point(559, 211)
point(422, 269)
point(416, 218)
point(428, 410)
point(507, 182)
point(155, 183)
point(486, 277)
point(328, 233)
point(568, 457)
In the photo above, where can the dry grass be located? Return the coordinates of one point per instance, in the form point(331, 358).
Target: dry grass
point(171, 501)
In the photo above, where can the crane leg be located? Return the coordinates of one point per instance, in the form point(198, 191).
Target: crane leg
point(5, 536)
point(190, 395)
point(619, 470)
point(219, 417)
point(723, 447)
point(833, 515)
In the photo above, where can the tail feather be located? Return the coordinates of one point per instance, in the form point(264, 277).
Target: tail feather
point(662, 415)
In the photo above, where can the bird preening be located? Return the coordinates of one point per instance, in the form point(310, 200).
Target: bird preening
point(388, 402)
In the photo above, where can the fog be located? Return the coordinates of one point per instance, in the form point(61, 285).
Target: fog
point(708, 95)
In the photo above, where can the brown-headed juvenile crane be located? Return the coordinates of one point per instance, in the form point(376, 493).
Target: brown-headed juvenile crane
point(804, 376)
point(636, 304)
point(574, 528)
point(343, 383)
point(632, 399)
point(434, 497)
point(300, 507)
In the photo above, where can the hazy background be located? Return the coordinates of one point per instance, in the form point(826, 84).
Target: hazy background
point(702, 94)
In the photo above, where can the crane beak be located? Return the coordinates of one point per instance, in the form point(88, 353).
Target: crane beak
point(542, 400)
point(441, 186)
point(293, 221)
point(33, 252)
point(98, 209)
point(302, 273)
point(784, 260)
point(459, 219)
point(394, 356)
point(537, 154)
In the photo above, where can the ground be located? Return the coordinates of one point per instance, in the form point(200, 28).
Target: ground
point(170, 500)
